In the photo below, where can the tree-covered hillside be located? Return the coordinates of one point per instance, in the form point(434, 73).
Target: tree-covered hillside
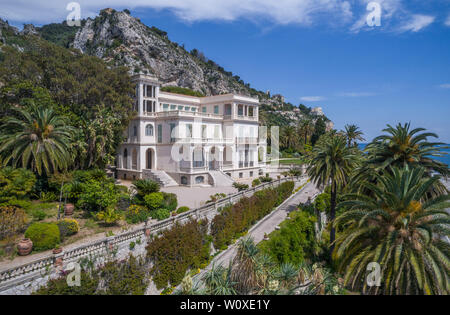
point(94, 99)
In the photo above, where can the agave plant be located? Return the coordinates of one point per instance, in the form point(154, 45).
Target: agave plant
point(218, 281)
point(287, 275)
point(397, 227)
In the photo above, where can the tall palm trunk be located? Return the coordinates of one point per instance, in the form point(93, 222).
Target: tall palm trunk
point(333, 214)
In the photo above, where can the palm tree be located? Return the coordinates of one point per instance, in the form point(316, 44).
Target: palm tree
point(289, 137)
point(246, 272)
point(397, 227)
point(353, 134)
point(332, 163)
point(402, 146)
point(36, 138)
point(306, 129)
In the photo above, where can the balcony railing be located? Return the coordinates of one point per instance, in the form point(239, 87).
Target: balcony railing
point(246, 140)
point(181, 113)
point(202, 140)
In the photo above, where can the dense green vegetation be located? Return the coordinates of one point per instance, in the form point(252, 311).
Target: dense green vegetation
point(253, 272)
point(79, 89)
point(59, 33)
point(181, 90)
point(294, 242)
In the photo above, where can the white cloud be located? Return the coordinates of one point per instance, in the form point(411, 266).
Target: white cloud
point(356, 94)
point(445, 86)
point(312, 98)
point(303, 12)
point(347, 14)
point(447, 22)
point(389, 8)
point(417, 23)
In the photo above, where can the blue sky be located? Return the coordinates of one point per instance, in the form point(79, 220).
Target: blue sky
point(319, 53)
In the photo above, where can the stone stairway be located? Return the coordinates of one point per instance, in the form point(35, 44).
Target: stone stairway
point(221, 179)
point(160, 177)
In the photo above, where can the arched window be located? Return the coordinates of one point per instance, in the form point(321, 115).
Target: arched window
point(149, 130)
point(199, 180)
point(125, 159)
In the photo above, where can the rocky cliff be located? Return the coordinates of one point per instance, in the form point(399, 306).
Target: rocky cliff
point(121, 39)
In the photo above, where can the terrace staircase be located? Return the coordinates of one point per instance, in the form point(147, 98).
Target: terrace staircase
point(161, 177)
point(221, 179)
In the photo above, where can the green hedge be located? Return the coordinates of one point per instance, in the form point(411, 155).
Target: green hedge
point(43, 235)
point(235, 220)
point(177, 250)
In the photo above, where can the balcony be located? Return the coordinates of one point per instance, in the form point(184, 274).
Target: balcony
point(247, 140)
point(219, 141)
point(187, 167)
point(131, 140)
point(180, 113)
point(240, 117)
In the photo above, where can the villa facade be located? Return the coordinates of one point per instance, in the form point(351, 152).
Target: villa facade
point(185, 140)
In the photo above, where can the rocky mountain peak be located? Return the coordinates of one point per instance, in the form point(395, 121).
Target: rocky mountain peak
point(121, 39)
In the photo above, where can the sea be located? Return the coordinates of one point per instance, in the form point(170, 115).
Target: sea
point(445, 159)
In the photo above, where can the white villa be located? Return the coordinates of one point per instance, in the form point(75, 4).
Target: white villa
point(184, 140)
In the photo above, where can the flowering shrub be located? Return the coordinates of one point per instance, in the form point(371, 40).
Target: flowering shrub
point(136, 214)
point(68, 227)
point(110, 216)
point(12, 221)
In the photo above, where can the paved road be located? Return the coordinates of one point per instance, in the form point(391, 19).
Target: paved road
point(266, 225)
